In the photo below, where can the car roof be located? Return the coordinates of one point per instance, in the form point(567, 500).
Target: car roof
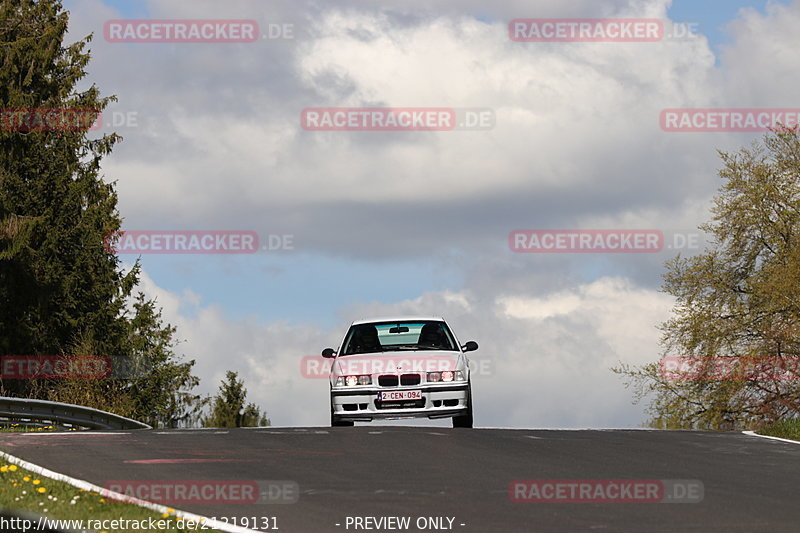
point(400, 319)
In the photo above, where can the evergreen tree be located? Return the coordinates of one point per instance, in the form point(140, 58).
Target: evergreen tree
point(228, 409)
point(56, 280)
point(61, 289)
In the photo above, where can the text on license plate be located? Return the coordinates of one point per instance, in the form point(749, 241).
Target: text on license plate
point(395, 395)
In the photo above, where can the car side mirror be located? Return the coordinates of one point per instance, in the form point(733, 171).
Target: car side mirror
point(471, 346)
point(328, 353)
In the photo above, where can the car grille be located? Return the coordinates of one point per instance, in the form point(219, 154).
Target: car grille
point(393, 381)
point(388, 381)
point(409, 379)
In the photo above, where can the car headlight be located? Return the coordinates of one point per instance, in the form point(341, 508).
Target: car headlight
point(445, 376)
point(352, 381)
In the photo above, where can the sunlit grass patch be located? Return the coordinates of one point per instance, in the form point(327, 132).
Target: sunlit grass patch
point(787, 429)
point(22, 490)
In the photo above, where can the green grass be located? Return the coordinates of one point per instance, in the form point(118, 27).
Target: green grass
point(788, 429)
point(21, 490)
point(24, 428)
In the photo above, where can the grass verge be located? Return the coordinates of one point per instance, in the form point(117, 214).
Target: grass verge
point(21, 490)
point(788, 429)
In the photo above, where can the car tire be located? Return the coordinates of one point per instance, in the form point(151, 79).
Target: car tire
point(465, 421)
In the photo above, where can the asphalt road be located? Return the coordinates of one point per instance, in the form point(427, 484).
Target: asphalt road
point(749, 484)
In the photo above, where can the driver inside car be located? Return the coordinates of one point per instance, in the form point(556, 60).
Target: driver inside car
point(365, 340)
point(433, 336)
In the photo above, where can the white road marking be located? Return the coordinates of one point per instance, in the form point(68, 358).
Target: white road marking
point(754, 434)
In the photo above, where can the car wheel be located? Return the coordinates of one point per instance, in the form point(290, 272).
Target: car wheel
point(465, 421)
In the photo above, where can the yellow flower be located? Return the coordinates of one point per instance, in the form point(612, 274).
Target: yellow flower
point(26, 478)
point(13, 468)
point(165, 515)
point(36, 481)
point(3, 469)
point(102, 500)
point(42, 490)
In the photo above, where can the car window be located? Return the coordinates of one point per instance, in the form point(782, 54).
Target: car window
point(395, 336)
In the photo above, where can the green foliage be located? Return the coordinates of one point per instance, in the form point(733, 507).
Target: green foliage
point(61, 290)
point(56, 279)
point(228, 408)
point(29, 492)
point(739, 299)
point(786, 429)
point(161, 389)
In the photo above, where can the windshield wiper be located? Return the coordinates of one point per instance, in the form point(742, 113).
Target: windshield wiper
point(434, 348)
point(398, 347)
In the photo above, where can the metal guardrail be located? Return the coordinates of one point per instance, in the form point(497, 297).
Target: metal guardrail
point(24, 409)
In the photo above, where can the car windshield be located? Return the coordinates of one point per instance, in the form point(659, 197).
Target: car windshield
point(395, 336)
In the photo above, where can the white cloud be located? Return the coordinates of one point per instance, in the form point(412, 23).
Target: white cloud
point(576, 124)
point(760, 63)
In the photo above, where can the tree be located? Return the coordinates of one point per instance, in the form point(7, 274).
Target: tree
point(56, 281)
point(738, 302)
point(228, 407)
point(160, 384)
point(61, 289)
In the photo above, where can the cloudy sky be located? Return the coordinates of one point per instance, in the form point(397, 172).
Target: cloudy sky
point(387, 222)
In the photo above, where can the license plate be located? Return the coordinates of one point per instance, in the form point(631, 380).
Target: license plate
point(399, 395)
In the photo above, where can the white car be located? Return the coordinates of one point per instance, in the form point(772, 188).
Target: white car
point(406, 367)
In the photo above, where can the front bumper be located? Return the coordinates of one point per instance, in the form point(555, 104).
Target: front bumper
point(438, 401)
